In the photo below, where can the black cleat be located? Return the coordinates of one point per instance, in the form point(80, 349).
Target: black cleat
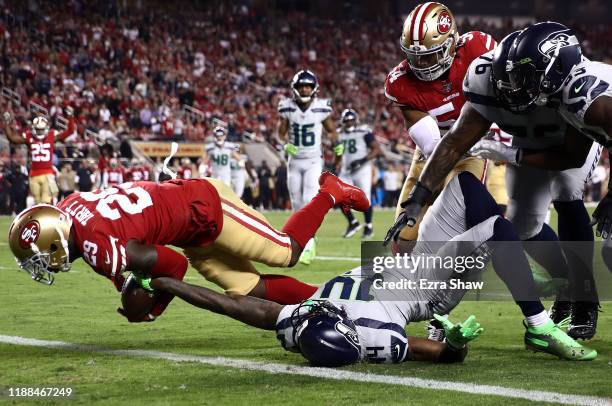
point(435, 331)
point(584, 320)
point(352, 229)
point(368, 232)
point(560, 310)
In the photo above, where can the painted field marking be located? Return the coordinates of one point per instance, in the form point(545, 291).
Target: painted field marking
point(326, 373)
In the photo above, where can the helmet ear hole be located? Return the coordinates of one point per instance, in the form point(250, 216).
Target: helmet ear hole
point(53, 247)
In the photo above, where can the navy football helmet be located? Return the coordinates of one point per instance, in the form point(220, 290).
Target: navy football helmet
point(349, 119)
point(540, 59)
point(308, 78)
point(499, 76)
point(325, 335)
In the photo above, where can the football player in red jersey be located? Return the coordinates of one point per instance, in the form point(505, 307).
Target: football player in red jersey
point(127, 228)
point(113, 174)
point(186, 169)
point(136, 171)
point(426, 86)
point(40, 140)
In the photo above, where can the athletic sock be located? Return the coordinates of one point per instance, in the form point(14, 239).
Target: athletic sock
point(538, 320)
point(511, 265)
point(286, 290)
point(349, 217)
point(368, 215)
point(304, 223)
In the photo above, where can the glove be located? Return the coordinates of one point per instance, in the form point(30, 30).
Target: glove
point(147, 318)
point(144, 282)
point(355, 165)
point(339, 149)
point(602, 216)
point(458, 335)
point(411, 209)
point(69, 111)
point(6, 117)
point(495, 151)
point(290, 149)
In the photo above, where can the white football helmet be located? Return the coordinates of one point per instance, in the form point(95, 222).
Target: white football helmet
point(40, 127)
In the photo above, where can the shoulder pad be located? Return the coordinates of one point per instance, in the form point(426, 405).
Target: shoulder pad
point(398, 86)
point(286, 105)
point(477, 79)
point(321, 106)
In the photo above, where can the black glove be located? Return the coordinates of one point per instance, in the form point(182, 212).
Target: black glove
point(602, 216)
point(355, 165)
point(411, 208)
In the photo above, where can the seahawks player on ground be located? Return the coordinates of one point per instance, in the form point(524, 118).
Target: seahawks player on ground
point(474, 122)
point(302, 119)
point(362, 314)
point(354, 153)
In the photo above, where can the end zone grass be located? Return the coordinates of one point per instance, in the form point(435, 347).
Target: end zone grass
point(80, 308)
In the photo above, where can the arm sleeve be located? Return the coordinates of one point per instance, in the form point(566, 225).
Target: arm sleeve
point(68, 131)
point(426, 134)
point(171, 264)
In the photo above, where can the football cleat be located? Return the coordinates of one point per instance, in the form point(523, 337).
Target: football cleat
point(368, 232)
point(560, 310)
point(583, 323)
point(352, 229)
point(346, 196)
point(435, 331)
point(552, 340)
point(310, 252)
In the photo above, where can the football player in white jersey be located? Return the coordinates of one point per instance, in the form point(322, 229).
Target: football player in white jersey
point(302, 119)
point(361, 315)
point(355, 151)
point(539, 134)
point(220, 154)
point(240, 166)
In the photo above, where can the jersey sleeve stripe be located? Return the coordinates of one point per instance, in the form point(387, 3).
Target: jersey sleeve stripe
point(380, 325)
point(321, 110)
point(113, 240)
point(286, 110)
point(488, 44)
point(481, 99)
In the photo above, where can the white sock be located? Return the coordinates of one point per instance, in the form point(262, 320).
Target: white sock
point(538, 320)
point(369, 225)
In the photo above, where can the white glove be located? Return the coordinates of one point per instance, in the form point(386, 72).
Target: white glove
point(495, 151)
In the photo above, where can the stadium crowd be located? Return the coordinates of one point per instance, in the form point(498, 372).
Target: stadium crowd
point(128, 75)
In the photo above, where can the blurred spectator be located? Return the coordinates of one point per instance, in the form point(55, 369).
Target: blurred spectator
point(282, 190)
point(265, 193)
point(18, 178)
point(5, 188)
point(393, 180)
point(85, 176)
point(66, 181)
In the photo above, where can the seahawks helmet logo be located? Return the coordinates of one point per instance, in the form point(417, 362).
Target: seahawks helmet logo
point(556, 39)
point(348, 332)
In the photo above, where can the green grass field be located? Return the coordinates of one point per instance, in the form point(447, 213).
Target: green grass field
point(80, 308)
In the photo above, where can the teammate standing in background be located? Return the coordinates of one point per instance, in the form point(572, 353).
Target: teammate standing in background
point(240, 167)
point(300, 127)
point(219, 156)
point(113, 175)
point(40, 140)
point(356, 150)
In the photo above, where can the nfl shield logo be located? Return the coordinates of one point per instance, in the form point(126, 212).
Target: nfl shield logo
point(447, 86)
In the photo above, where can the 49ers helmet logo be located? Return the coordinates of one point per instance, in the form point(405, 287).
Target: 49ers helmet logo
point(445, 22)
point(29, 234)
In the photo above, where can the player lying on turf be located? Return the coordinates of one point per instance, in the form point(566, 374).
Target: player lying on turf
point(373, 315)
point(127, 228)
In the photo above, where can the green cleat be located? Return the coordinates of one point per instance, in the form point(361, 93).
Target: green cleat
point(309, 253)
point(552, 340)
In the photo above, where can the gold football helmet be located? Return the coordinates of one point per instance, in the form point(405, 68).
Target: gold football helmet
point(40, 127)
point(429, 39)
point(38, 238)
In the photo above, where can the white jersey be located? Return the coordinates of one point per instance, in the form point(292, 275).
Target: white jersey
point(355, 145)
point(538, 129)
point(588, 81)
point(381, 314)
point(305, 127)
point(220, 160)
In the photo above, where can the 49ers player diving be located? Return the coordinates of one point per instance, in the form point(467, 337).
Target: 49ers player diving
point(127, 227)
point(40, 140)
point(426, 86)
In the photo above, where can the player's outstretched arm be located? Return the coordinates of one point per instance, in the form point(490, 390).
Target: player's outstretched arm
point(330, 128)
point(423, 349)
point(467, 130)
point(255, 312)
point(9, 131)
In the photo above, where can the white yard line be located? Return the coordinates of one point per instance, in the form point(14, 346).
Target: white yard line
point(326, 373)
point(351, 259)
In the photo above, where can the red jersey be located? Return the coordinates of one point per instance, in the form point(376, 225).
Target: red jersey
point(183, 213)
point(185, 172)
point(41, 151)
point(112, 177)
point(136, 174)
point(443, 97)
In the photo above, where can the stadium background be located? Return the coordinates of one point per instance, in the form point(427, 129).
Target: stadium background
point(153, 71)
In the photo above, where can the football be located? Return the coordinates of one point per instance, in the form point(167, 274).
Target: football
point(136, 301)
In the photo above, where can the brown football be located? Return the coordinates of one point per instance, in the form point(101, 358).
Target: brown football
point(136, 301)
